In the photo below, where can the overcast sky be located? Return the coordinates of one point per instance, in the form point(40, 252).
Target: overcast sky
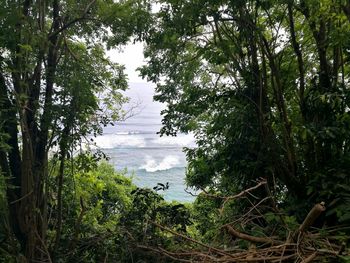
point(140, 91)
point(132, 57)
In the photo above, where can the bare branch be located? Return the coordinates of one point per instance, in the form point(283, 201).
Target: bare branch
point(250, 238)
point(314, 213)
point(219, 251)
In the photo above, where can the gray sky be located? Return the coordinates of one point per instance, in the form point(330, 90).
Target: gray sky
point(132, 57)
point(140, 91)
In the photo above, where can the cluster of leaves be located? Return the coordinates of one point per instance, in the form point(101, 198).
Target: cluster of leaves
point(106, 217)
point(263, 86)
point(148, 207)
point(57, 88)
point(94, 199)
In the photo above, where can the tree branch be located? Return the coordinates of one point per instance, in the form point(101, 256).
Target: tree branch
point(75, 20)
point(250, 238)
point(191, 240)
point(312, 216)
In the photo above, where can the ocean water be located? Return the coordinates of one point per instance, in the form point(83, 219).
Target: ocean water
point(150, 159)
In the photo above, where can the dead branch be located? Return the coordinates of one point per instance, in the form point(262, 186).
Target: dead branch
point(307, 247)
point(191, 240)
point(250, 238)
point(163, 252)
point(244, 192)
point(312, 216)
point(310, 258)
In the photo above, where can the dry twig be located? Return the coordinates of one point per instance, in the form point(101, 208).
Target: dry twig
point(309, 246)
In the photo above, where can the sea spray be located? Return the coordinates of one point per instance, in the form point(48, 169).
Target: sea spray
point(136, 145)
point(167, 163)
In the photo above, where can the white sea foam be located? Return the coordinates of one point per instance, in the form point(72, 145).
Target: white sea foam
point(110, 141)
point(128, 133)
point(180, 140)
point(167, 163)
point(122, 133)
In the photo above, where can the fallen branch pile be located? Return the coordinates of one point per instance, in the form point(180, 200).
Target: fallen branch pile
point(300, 245)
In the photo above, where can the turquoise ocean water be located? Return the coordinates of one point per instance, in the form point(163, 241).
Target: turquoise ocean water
point(134, 144)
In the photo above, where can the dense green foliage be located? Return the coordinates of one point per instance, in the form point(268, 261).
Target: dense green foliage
point(263, 86)
point(93, 200)
point(106, 216)
point(56, 88)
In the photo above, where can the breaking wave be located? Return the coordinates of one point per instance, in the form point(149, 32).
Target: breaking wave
point(167, 163)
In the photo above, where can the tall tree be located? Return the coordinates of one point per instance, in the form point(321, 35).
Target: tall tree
point(263, 87)
point(56, 85)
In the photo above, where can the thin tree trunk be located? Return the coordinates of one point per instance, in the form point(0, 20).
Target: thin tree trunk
point(63, 154)
point(297, 51)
